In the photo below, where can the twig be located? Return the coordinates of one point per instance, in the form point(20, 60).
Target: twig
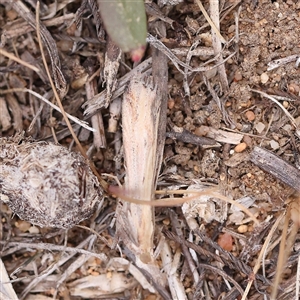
point(25, 90)
point(114, 115)
point(24, 28)
point(99, 100)
point(281, 257)
point(111, 66)
point(6, 289)
point(176, 61)
point(262, 255)
point(5, 119)
point(52, 247)
point(276, 166)
point(158, 285)
point(96, 120)
point(216, 41)
point(282, 107)
point(282, 61)
point(18, 60)
point(53, 267)
point(211, 23)
point(219, 102)
point(176, 287)
point(224, 275)
point(188, 137)
point(187, 254)
point(76, 264)
point(160, 78)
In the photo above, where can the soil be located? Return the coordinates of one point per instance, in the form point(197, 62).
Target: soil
point(225, 238)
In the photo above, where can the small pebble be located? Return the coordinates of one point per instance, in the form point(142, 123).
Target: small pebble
point(242, 229)
point(23, 225)
point(287, 127)
point(248, 140)
point(238, 76)
point(264, 77)
point(294, 88)
point(260, 127)
point(250, 115)
point(277, 78)
point(166, 221)
point(240, 147)
point(202, 130)
point(34, 229)
point(171, 103)
point(250, 228)
point(222, 176)
point(285, 104)
point(274, 145)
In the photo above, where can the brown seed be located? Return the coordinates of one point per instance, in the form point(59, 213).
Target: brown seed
point(250, 115)
point(240, 147)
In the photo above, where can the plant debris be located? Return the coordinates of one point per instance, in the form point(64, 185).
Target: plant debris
point(46, 184)
point(225, 80)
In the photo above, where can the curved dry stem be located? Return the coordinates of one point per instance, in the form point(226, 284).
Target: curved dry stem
point(121, 194)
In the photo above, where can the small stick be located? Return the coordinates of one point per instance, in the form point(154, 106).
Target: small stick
point(216, 41)
point(276, 166)
point(97, 119)
point(18, 60)
point(282, 107)
point(211, 23)
point(5, 119)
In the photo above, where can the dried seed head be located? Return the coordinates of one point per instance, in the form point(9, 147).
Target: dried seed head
point(46, 184)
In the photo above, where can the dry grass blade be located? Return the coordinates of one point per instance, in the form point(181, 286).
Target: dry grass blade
point(74, 119)
point(211, 23)
point(291, 118)
point(287, 241)
point(261, 255)
point(176, 287)
point(217, 39)
point(18, 60)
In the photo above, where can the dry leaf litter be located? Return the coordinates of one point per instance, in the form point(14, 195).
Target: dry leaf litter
point(205, 249)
